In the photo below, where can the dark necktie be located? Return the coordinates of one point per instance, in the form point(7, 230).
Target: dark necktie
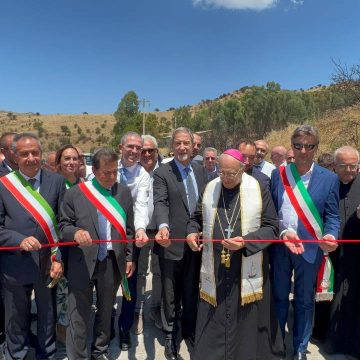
point(32, 182)
point(192, 199)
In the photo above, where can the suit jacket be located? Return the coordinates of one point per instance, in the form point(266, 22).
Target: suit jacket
point(260, 177)
point(16, 224)
point(4, 169)
point(171, 205)
point(77, 212)
point(324, 191)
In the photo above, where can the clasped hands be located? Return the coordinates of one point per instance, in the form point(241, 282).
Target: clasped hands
point(235, 243)
point(293, 243)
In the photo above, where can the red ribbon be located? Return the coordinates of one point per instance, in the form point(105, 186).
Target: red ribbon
point(73, 243)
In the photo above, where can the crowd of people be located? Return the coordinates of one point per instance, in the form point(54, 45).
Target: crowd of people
point(232, 241)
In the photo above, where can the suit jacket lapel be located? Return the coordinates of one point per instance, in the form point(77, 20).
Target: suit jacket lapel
point(315, 180)
point(177, 179)
point(45, 185)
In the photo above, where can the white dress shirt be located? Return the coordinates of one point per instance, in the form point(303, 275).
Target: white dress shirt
point(138, 181)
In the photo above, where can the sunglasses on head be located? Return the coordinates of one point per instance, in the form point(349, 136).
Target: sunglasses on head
point(298, 146)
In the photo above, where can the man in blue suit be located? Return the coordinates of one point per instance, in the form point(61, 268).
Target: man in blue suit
point(293, 188)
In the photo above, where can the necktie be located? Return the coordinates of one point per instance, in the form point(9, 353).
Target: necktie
point(102, 252)
point(32, 182)
point(123, 177)
point(192, 199)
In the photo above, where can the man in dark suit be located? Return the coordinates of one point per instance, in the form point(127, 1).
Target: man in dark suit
point(102, 266)
point(248, 150)
point(31, 268)
point(8, 164)
point(177, 185)
point(306, 197)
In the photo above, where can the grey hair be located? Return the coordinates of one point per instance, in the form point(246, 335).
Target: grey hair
point(24, 136)
point(345, 149)
point(127, 135)
point(151, 138)
point(306, 130)
point(106, 154)
point(210, 149)
point(182, 129)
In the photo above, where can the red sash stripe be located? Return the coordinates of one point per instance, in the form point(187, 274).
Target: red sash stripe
point(295, 203)
point(28, 207)
point(102, 209)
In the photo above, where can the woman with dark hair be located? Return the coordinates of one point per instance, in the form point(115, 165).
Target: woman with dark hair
point(67, 164)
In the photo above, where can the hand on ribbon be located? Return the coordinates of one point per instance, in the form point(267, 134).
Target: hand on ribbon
point(291, 241)
point(162, 237)
point(30, 244)
point(82, 237)
point(234, 244)
point(193, 242)
point(329, 244)
point(141, 238)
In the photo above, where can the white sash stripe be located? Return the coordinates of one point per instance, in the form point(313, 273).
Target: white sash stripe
point(303, 203)
point(19, 186)
point(101, 198)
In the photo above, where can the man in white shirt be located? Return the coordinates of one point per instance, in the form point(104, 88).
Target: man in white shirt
point(132, 174)
point(262, 148)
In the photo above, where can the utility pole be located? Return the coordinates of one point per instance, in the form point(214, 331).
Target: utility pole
point(143, 103)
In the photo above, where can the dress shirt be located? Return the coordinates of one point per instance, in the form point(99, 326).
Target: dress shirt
point(36, 177)
point(152, 222)
point(138, 181)
point(184, 175)
point(108, 233)
point(265, 167)
point(288, 218)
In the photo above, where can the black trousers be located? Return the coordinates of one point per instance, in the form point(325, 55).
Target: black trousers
point(180, 288)
point(17, 300)
point(2, 318)
point(105, 279)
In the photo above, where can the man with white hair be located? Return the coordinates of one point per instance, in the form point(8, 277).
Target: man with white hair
point(342, 335)
point(236, 317)
point(278, 155)
point(262, 148)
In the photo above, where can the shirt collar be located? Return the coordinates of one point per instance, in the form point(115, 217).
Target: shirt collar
point(130, 169)
point(182, 167)
point(37, 176)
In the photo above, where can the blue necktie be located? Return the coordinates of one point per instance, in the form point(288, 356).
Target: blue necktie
point(123, 176)
point(192, 198)
point(32, 182)
point(102, 252)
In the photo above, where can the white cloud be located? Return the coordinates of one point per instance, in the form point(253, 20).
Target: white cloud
point(238, 4)
point(297, 2)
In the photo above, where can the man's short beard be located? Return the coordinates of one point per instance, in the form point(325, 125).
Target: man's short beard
point(183, 157)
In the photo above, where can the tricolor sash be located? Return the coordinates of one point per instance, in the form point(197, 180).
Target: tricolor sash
point(34, 204)
point(309, 216)
point(105, 203)
point(251, 269)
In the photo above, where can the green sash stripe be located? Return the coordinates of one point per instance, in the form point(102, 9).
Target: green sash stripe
point(109, 198)
point(38, 198)
point(306, 196)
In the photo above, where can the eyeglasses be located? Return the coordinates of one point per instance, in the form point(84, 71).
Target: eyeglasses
point(345, 166)
point(307, 147)
point(229, 175)
point(150, 151)
point(210, 158)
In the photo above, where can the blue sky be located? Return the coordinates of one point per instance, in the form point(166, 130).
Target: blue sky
point(71, 56)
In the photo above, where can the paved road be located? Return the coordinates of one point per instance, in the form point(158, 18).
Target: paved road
point(150, 344)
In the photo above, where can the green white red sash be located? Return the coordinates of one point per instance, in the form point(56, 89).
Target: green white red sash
point(35, 204)
point(309, 216)
point(68, 184)
point(111, 209)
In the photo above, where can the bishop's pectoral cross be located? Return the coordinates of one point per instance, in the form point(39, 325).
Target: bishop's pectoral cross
point(225, 257)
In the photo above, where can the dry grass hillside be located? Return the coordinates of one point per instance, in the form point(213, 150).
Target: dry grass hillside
point(87, 131)
point(336, 128)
